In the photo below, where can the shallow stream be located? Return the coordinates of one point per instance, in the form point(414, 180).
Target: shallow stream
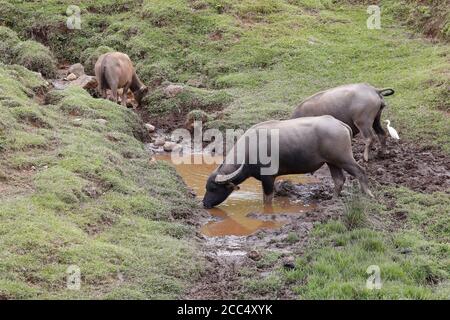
point(232, 215)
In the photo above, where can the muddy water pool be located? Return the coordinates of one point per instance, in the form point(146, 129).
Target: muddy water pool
point(232, 215)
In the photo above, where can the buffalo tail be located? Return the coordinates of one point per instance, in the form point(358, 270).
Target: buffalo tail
point(386, 92)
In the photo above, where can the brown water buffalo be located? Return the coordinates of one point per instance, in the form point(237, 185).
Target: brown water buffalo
point(114, 70)
point(304, 145)
point(357, 105)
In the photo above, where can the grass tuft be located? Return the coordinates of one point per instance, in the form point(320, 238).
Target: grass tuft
point(34, 56)
point(355, 211)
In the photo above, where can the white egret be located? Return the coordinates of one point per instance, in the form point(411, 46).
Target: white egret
point(392, 131)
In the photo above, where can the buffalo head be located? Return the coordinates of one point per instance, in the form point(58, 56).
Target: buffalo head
point(219, 187)
point(140, 94)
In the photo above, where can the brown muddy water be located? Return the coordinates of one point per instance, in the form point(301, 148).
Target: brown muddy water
point(233, 213)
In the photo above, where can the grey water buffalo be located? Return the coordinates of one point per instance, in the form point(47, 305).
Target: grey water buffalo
point(357, 105)
point(114, 70)
point(304, 145)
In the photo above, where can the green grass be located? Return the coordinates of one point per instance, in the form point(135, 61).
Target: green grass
point(413, 254)
point(89, 198)
point(30, 54)
point(268, 55)
point(355, 211)
point(9, 40)
point(36, 57)
point(413, 259)
point(292, 237)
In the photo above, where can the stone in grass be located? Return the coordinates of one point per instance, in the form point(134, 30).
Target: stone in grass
point(101, 121)
point(289, 263)
point(150, 128)
point(77, 122)
point(170, 146)
point(77, 69)
point(71, 77)
point(85, 82)
point(159, 142)
point(172, 90)
point(254, 255)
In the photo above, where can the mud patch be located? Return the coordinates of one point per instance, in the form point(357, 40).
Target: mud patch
point(419, 168)
point(309, 193)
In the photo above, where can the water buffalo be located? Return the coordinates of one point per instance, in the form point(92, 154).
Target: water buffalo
point(114, 70)
point(357, 105)
point(305, 144)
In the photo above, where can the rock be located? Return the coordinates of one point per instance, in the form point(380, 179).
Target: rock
point(254, 255)
point(159, 141)
point(76, 122)
point(313, 40)
point(71, 77)
point(172, 90)
point(101, 121)
point(77, 69)
point(150, 128)
point(85, 82)
point(152, 160)
point(170, 146)
point(288, 263)
point(91, 191)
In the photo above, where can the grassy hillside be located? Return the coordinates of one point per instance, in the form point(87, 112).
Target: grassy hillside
point(268, 54)
point(77, 191)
